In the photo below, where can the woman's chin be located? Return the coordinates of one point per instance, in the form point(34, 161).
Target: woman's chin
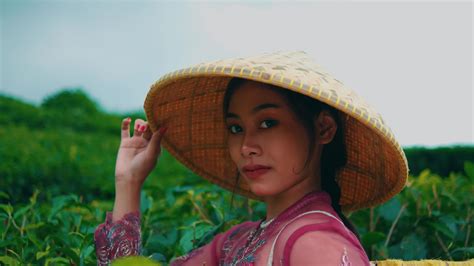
point(261, 191)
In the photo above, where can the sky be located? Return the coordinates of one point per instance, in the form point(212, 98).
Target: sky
point(412, 61)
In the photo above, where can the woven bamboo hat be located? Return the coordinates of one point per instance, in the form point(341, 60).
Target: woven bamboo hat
point(190, 102)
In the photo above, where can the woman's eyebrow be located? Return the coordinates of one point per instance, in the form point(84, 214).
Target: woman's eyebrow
point(255, 109)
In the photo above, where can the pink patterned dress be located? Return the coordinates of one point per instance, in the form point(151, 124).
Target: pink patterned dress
point(307, 233)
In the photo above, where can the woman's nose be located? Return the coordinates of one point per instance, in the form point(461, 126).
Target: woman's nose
point(250, 146)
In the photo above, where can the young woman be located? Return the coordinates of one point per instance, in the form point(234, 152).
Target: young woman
point(275, 128)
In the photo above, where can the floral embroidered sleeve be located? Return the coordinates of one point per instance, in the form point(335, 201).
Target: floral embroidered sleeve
point(123, 238)
point(118, 239)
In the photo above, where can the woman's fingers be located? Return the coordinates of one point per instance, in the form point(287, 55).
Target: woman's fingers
point(155, 141)
point(126, 127)
point(147, 134)
point(140, 127)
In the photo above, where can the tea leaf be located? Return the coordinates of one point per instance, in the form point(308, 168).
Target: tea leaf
point(41, 254)
point(413, 247)
point(372, 238)
point(135, 260)
point(57, 261)
point(469, 169)
point(390, 210)
point(4, 195)
point(7, 260)
point(7, 208)
point(21, 211)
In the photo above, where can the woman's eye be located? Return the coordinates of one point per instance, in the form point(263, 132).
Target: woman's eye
point(233, 127)
point(269, 122)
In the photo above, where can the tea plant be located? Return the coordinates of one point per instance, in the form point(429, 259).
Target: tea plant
point(430, 218)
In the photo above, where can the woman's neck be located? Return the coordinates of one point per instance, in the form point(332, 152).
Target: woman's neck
point(276, 204)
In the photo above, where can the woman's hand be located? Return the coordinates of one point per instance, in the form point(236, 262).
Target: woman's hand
point(136, 158)
point(137, 155)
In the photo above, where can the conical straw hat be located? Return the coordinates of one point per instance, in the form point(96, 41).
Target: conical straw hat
point(189, 102)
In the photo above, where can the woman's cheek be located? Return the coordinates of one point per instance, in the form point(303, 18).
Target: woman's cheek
point(233, 150)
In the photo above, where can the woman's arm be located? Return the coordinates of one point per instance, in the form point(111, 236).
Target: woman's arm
point(123, 238)
point(137, 156)
point(318, 239)
point(327, 248)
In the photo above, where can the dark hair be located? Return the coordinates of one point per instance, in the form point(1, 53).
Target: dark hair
point(334, 154)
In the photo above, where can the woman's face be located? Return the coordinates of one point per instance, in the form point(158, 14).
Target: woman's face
point(263, 130)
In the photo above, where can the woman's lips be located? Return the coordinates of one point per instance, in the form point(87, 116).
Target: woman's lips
point(256, 173)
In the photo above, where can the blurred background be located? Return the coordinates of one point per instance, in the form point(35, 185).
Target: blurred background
point(71, 70)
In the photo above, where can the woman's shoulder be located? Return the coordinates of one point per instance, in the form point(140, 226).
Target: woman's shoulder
point(331, 248)
point(313, 220)
point(321, 223)
point(322, 233)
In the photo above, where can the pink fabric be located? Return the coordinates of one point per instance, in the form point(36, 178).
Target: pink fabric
point(329, 229)
point(211, 253)
point(314, 238)
point(119, 239)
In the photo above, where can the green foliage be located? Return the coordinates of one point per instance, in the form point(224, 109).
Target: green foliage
point(135, 260)
point(440, 160)
point(55, 162)
point(61, 230)
point(59, 150)
point(430, 218)
point(13, 110)
point(57, 182)
point(74, 101)
point(48, 234)
point(424, 221)
point(57, 115)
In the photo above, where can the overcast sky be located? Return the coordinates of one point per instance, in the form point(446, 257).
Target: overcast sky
point(411, 60)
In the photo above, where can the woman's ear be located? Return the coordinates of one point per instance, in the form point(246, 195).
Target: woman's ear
point(325, 127)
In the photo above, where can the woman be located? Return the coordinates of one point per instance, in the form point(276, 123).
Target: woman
point(275, 128)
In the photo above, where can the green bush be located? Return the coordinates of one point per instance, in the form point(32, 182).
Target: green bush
point(15, 111)
point(440, 160)
point(430, 218)
point(59, 163)
point(74, 101)
point(426, 220)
